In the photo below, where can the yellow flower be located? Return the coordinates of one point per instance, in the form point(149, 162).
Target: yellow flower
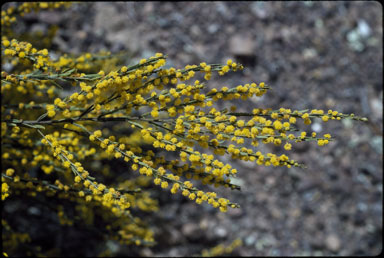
point(44, 5)
point(97, 133)
point(192, 196)
point(77, 179)
point(154, 113)
point(9, 171)
point(67, 164)
point(51, 113)
point(6, 43)
point(164, 184)
point(287, 146)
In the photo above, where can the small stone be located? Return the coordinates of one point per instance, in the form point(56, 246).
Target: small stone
point(189, 229)
point(309, 53)
point(204, 223)
point(250, 240)
point(146, 252)
point(270, 181)
point(295, 212)
point(260, 10)
point(377, 144)
point(316, 127)
point(376, 106)
point(333, 242)
point(330, 102)
point(241, 45)
point(213, 28)
point(113, 246)
point(34, 211)
point(347, 123)
point(363, 29)
point(148, 8)
point(221, 232)
point(81, 35)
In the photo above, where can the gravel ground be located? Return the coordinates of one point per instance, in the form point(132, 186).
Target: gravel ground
point(325, 55)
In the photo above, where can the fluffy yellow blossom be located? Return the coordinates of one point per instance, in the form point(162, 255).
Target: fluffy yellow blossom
point(164, 184)
point(10, 172)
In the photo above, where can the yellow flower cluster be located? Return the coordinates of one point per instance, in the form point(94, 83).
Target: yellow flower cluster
point(4, 191)
point(8, 16)
point(24, 50)
point(221, 249)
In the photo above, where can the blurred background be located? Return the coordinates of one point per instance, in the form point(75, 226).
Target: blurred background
point(316, 55)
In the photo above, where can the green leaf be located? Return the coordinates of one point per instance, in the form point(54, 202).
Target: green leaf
point(42, 117)
point(57, 85)
point(35, 126)
point(68, 72)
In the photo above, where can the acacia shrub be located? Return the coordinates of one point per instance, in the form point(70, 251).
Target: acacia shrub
point(86, 137)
